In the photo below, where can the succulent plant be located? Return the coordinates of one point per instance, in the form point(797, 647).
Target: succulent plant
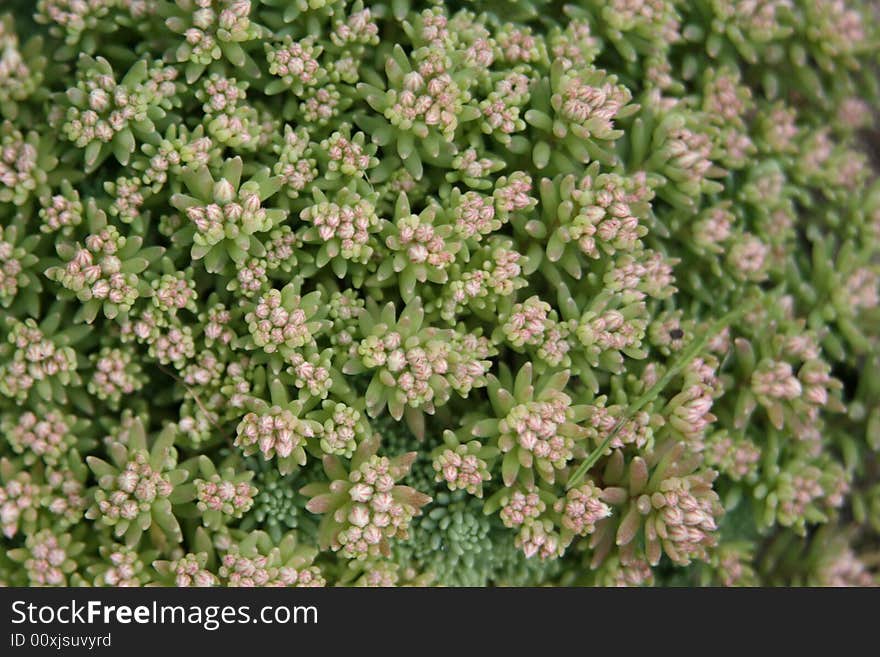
point(357, 292)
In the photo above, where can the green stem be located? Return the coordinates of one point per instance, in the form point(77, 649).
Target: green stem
point(652, 393)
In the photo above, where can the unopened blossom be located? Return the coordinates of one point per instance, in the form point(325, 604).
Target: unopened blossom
point(714, 228)
point(345, 227)
point(274, 323)
point(251, 252)
point(380, 575)
point(35, 358)
point(736, 458)
point(229, 498)
point(500, 117)
point(667, 333)
point(342, 429)
point(104, 114)
point(12, 261)
point(498, 275)
point(127, 198)
point(428, 95)
point(47, 437)
point(635, 572)
point(421, 242)
point(134, 490)
point(642, 274)
point(295, 165)
point(243, 571)
point(18, 77)
point(608, 216)
point(358, 27)
point(71, 18)
point(205, 370)
point(190, 570)
point(344, 310)
point(518, 44)
point(172, 346)
point(556, 346)
point(837, 28)
point(206, 25)
point(321, 104)
point(538, 538)
point(602, 419)
point(368, 507)
point(760, 20)
point(612, 330)
point(312, 374)
point(410, 369)
point(258, 570)
point(685, 512)
point(223, 212)
point(536, 429)
point(854, 113)
point(581, 508)
point(815, 377)
point(461, 469)
point(475, 215)
point(48, 559)
point(122, 567)
point(846, 570)
point(95, 272)
point(251, 277)
point(780, 128)
point(804, 346)
point(173, 292)
point(748, 258)
point(295, 63)
point(513, 193)
point(374, 511)
point(733, 566)
point(799, 493)
point(725, 98)
point(469, 364)
point(471, 165)
point(20, 172)
point(690, 152)
point(520, 507)
point(589, 103)
point(61, 212)
point(527, 322)
point(817, 152)
point(348, 155)
point(776, 380)
point(66, 496)
point(281, 249)
point(275, 431)
point(657, 17)
point(576, 45)
point(239, 128)
point(216, 324)
point(690, 414)
point(19, 501)
point(862, 288)
point(178, 149)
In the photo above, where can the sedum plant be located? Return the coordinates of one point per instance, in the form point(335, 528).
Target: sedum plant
point(369, 293)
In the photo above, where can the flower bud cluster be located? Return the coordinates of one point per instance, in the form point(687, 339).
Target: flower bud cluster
point(229, 498)
point(48, 437)
point(501, 294)
point(275, 432)
point(36, 360)
point(96, 270)
point(20, 172)
point(374, 513)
